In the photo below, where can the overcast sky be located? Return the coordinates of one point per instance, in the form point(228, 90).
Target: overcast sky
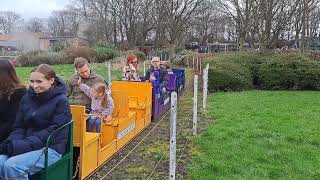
point(32, 8)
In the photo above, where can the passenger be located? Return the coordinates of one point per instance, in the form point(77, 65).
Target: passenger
point(43, 109)
point(166, 67)
point(101, 104)
point(11, 92)
point(156, 72)
point(129, 72)
point(88, 77)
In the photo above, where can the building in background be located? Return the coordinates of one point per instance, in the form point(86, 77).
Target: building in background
point(22, 42)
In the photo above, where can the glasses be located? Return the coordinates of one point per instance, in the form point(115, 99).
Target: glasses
point(134, 62)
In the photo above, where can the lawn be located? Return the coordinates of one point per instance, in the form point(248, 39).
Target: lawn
point(260, 135)
point(65, 71)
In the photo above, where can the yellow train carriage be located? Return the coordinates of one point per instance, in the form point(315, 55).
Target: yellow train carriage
point(132, 113)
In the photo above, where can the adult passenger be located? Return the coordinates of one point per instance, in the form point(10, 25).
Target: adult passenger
point(129, 72)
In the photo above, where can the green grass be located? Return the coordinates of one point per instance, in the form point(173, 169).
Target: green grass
point(65, 71)
point(260, 135)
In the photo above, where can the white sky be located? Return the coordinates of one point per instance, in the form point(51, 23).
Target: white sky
point(32, 8)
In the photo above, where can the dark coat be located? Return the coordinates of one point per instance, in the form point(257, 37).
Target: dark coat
point(160, 74)
point(8, 108)
point(38, 116)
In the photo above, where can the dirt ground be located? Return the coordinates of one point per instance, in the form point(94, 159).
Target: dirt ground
point(147, 156)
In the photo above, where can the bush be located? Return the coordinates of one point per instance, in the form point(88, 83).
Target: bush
point(290, 71)
point(240, 71)
point(229, 75)
point(34, 59)
point(57, 46)
point(73, 52)
point(103, 54)
point(186, 52)
point(140, 55)
point(179, 50)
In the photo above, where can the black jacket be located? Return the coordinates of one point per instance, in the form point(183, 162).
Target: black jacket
point(8, 109)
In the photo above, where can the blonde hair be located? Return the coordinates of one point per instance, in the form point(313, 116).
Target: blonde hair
point(101, 88)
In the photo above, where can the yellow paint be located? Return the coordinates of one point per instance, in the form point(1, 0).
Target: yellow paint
point(132, 113)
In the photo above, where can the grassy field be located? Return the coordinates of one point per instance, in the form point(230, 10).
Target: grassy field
point(260, 135)
point(65, 71)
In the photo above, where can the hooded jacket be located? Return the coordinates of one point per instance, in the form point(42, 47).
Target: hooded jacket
point(38, 116)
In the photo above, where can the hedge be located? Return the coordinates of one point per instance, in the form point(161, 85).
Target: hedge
point(242, 71)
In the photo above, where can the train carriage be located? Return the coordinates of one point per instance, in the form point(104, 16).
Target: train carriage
point(136, 103)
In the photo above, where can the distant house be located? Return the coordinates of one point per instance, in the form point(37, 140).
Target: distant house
point(27, 41)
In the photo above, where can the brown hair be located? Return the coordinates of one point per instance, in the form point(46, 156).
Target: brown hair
point(46, 70)
point(9, 80)
point(79, 62)
point(101, 88)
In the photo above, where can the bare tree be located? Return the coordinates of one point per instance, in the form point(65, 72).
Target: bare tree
point(147, 19)
point(64, 22)
point(35, 25)
point(178, 13)
point(9, 21)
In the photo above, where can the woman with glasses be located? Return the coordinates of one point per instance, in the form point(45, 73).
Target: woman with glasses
point(129, 72)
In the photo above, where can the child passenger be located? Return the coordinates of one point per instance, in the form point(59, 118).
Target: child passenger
point(101, 104)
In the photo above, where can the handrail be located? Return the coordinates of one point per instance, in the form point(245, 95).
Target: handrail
point(49, 139)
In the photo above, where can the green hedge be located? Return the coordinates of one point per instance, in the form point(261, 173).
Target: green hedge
point(103, 54)
point(229, 75)
point(103, 51)
point(242, 71)
point(290, 71)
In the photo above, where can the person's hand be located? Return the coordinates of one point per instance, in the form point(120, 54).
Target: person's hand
point(79, 81)
point(106, 119)
point(152, 78)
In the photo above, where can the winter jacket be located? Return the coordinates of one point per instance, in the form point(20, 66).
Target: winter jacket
point(96, 107)
point(38, 116)
point(129, 73)
point(160, 74)
point(78, 96)
point(9, 106)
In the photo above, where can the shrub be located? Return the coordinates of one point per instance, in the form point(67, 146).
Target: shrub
point(32, 59)
point(229, 74)
point(140, 55)
point(73, 52)
point(290, 71)
point(240, 71)
point(179, 50)
point(186, 52)
point(103, 54)
point(57, 46)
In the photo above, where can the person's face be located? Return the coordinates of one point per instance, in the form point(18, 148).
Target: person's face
point(39, 83)
point(135, 62)
point(84, 71)
point(156, 63)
